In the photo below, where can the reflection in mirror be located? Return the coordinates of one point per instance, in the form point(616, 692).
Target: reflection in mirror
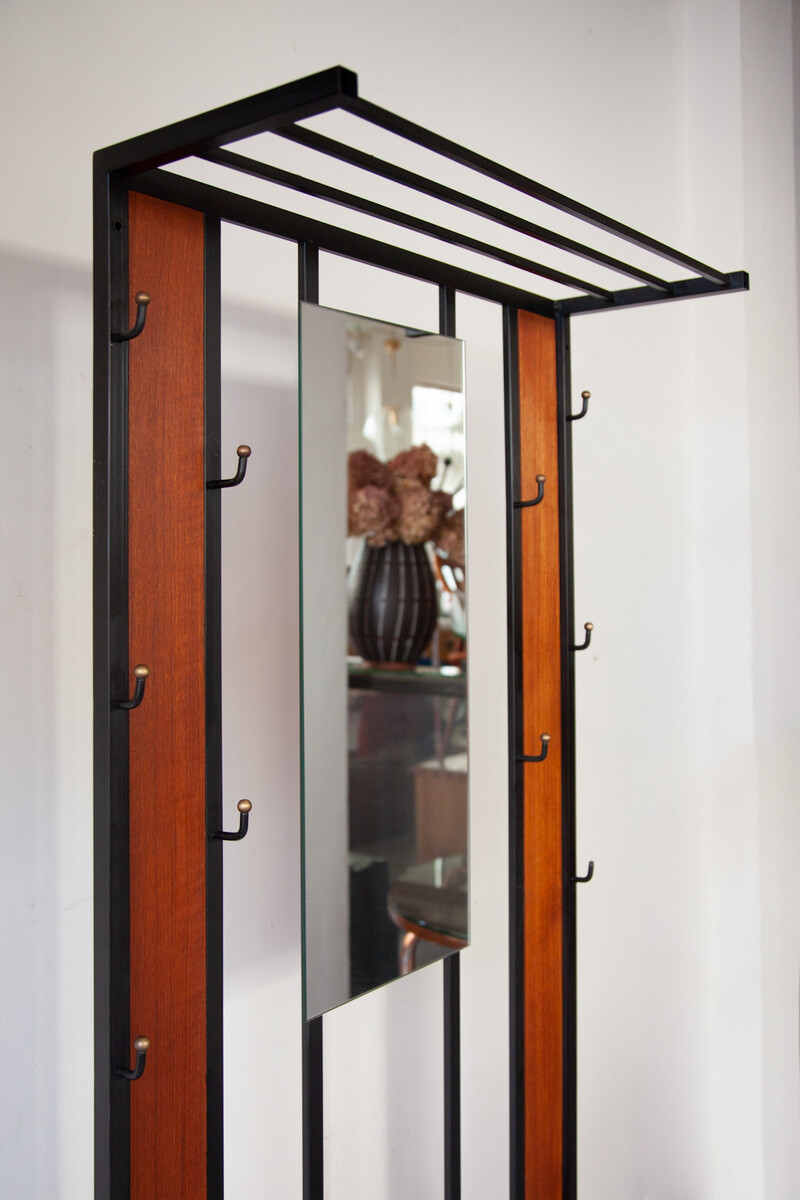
point(384, 650)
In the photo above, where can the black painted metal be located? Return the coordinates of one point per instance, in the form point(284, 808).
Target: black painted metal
point(516, 862)
point(451, 237)
point(428, 187)
point(243, 453)
point(253, 214)
point(585, 397)
point(451, 967)
point(585, 878)
point(111, 870)
point(313, 1112)
point(540, 482)
point(567, 592)
point(212, 315)
point(587, 641)
point(244, 118)
point(478, 162)
point(537, 757)
point(141, 674)
point(682, 289)
point(223, 835)
point(142, 301)
point(141, 1046)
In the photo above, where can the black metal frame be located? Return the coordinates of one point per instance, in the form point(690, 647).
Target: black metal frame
point(138, 164)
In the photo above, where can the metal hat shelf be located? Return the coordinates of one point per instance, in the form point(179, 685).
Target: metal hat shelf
point(280, 113)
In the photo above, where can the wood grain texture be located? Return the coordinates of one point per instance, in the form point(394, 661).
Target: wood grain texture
point(541, 683)
point(167, 731)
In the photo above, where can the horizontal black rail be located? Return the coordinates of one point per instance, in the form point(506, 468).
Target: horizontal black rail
point(682, 289)
point(428, 187)
point(521, 183)
point(322, 191)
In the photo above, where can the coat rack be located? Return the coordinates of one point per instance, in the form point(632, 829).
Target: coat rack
point(157, 595)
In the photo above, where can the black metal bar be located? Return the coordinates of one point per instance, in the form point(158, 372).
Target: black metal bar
point(478, 162)
point(243, 453)
point(290, 102)
point(253, 214)
point(452, 1076)
point(141, 674)
point(587, 641)
point(111, 867)
point(350, 200)
point(567, 617)
point(545, 739)
point(222, 835)
point(212, 370)
point(313, 1149)
point(428, 187)
point(516, 907)
point(451, 967)
point(682, 289)
point(540, 482)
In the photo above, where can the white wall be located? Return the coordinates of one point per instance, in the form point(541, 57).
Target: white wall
point(676, 117)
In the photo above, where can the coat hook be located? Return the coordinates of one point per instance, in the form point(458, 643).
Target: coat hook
point(244, 453)
point(584, 878)
point(141, 1046)
point(588, 627)
point(539, 495)
point(545, 739)
point(585, 397)
point(244, 807)
point(140, 674)
point(142, 300)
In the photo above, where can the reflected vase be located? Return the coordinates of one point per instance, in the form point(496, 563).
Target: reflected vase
point(393, 603)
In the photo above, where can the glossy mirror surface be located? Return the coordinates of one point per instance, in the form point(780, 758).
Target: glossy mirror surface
point(384, 651)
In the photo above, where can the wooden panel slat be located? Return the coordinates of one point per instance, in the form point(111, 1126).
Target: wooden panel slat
point(167, 731)
point(541, 681)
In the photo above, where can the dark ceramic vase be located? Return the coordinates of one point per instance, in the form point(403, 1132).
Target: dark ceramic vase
point(393, 605)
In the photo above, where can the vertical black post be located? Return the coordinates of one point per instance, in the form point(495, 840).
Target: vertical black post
point(215, 1172)
point(111, 682)
point(313, 1115)
point(516, 811)
point(452, 965)
point(567, 760)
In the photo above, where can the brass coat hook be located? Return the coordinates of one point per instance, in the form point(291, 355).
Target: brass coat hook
point(587, 640)
point(142, 300)
point(244, 453)
point(545, 739)
point(141, 674)
point(222, 835)
point(540, 479)
point(585, 397)
point(141, 1046)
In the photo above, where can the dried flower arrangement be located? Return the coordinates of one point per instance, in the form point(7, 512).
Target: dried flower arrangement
point(394, 502)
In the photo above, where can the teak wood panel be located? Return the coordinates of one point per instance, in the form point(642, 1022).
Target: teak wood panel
point(167, 731)
point(541, 690)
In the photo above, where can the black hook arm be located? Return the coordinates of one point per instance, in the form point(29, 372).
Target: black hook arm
point(539, 495)
point(585, 397)
point(244, 807)
point(584, 878)
point(141, 1046)
point(537, 757)
point(587, 640)
point(140, 674)
point(142, 300)
point(244, 453)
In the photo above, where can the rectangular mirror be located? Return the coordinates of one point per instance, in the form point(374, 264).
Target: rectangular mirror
point(384, 652)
